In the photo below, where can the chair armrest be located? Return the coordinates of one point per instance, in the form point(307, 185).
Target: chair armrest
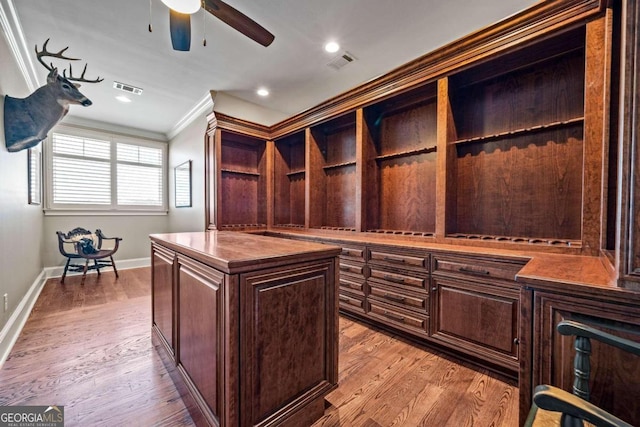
point(569, 327)
point(103, 237)
point(554, 399)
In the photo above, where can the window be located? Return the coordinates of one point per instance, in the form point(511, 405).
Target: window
point(93, 172)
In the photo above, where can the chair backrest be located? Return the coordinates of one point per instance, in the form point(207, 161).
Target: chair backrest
point(582, 363)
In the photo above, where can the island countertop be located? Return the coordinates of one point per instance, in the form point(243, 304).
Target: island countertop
point(234, 252)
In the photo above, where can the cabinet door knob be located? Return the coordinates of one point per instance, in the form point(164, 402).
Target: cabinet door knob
point(516, 341)
point(434, 289)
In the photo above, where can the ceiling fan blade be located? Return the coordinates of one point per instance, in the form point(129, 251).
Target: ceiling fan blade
point(239, 21)
point(180, 27)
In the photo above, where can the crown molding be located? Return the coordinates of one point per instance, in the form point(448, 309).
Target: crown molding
point(14, 35)
point(204, 105)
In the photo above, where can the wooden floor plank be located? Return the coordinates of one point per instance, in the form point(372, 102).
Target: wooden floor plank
point(89, 348)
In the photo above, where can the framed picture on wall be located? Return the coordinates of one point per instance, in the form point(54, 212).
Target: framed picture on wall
point(34, 167)
point(182, 180)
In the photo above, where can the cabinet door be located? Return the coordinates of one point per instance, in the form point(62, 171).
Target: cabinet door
point(289, 340)
point(162, 293)
point(615, 375)
point(200, 335)
point(479, 318)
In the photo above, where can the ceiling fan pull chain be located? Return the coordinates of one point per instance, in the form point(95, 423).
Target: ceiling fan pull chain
point(204, 28)
point(150, 28)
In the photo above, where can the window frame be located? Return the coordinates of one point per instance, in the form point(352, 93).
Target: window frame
point(113, 208)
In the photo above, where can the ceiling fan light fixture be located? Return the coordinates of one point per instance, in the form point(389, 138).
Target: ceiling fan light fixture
point(183, 6)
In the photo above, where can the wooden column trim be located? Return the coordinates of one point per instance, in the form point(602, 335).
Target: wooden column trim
point(596, 131)
point(628, 223)
point(210, 174)
point(446, 166)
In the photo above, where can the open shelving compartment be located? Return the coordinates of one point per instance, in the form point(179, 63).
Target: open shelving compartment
point(289, 181)
point(332, 174)
point(243, 182)
point(400, 153)
point(519, 132)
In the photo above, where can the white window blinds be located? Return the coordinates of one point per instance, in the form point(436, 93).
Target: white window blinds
point(90, 173)
point(139, 175)
point(81, 171)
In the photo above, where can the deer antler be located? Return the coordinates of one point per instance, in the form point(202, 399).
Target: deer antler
point(60, 55)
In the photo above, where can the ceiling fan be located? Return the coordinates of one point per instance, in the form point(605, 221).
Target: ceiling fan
point(180, 21)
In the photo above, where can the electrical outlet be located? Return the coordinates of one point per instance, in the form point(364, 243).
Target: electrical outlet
point(6, 302)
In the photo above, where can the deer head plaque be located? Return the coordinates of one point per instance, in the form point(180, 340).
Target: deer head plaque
point(28, 120)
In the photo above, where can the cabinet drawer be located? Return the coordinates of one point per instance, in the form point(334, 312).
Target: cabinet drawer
point(409, 260)
point(351, 285)
point(499, 269)
point(355, 253)
point(351, 268)
point(397, 317)
point(394, 296)
point(397, 278)
point(351, 303)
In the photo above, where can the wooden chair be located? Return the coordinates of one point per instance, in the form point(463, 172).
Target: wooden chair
point(80, 243)
point(555, 407)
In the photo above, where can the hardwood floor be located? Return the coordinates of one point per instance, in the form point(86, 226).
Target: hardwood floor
point(89, 348)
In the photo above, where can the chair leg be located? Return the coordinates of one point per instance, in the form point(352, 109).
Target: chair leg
point(64, 273)
point(95, 262)
point(84, 271)
point(113, 264)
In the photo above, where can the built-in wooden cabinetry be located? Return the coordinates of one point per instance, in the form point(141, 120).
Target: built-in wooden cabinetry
point(247, 325)
point(468, 188)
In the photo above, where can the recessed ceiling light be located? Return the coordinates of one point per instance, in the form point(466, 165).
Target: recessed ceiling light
point(123, 98)
point(332, 47)
point(262, 92)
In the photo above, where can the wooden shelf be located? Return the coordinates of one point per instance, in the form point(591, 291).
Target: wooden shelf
point(407, 153)
point(403, 233)
point(238, 226)
point(518, 132)
point(289, 225)
point(239, 172)
point(339, 165)
point(521, 240)
point(337, 228)
point(298, 172)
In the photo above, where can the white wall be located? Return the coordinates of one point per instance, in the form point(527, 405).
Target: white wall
point(188, 145)
point(20, 223)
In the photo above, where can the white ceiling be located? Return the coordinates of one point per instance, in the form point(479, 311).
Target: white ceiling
point(112, 37)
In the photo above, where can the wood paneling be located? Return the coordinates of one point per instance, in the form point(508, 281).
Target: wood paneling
point(200, 341)
point(284, 346)
point(162, 290)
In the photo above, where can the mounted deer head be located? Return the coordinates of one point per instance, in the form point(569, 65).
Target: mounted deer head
point(28, 120)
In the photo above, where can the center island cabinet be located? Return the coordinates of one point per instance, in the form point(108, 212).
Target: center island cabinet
point(247, 325)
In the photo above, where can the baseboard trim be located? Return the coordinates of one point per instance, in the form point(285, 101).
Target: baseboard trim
point(123, 264)
point(11, 330)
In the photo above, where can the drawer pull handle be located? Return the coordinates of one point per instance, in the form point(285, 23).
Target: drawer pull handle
point(474, 271)
point(343, 299)
point(393, 278)
point(345, 252)
point(393, 297)
point(394, 316)
point(391, 259)
point(345, 268)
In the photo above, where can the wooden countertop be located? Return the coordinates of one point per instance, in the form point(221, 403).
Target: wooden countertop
point(233, 252)
point(555, 272)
